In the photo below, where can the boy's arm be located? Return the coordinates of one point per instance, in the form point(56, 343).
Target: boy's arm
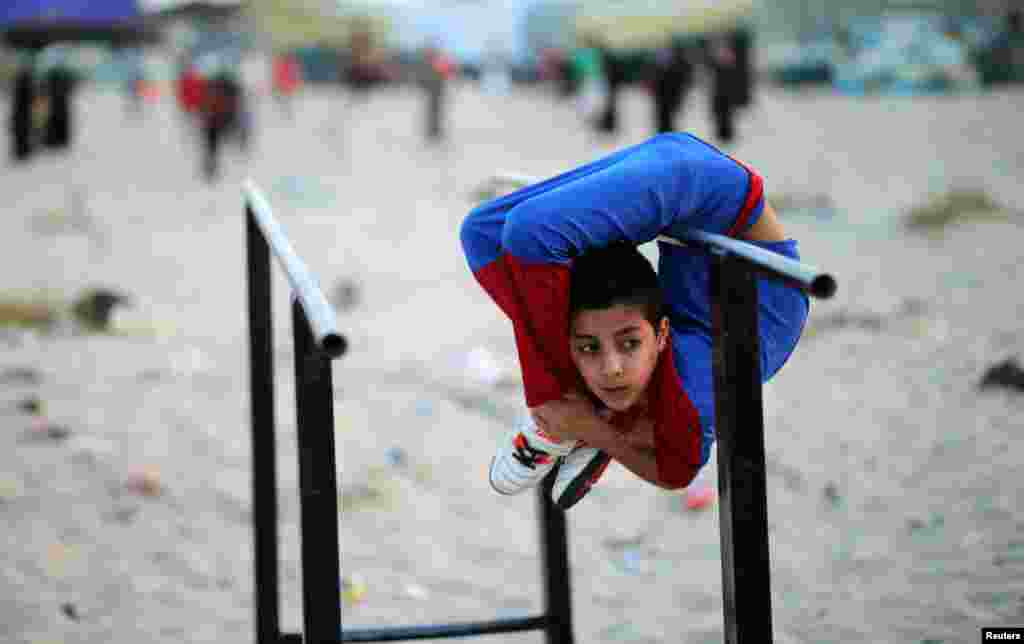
point(574, 417)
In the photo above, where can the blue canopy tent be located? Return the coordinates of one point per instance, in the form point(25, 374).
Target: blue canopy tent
point(34, 24)
point(197, 9)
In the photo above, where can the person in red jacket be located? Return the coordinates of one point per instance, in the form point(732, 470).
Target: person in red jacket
point(286, 78)
point(191, 85)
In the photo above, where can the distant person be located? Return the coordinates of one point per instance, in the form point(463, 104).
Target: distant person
point(671, 79)
point(22, 100)
point(362, 69)
point(436, 69)
point(191, 85)
point(726, 91)
point(135, 81)
point(1003, 60)
point(286, 78)
point(58, 86)
point(614, 70)
point(1015, 44)
point(555, 68)
point(591, 82)
point(218, 113)
point(742, 43)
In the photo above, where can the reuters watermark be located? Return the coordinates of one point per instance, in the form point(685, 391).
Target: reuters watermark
point(1004, 634)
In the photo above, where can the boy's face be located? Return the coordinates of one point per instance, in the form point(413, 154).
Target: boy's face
point(616, 350)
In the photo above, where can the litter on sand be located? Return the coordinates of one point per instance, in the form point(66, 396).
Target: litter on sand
point(1007, 374)
point(353, 589)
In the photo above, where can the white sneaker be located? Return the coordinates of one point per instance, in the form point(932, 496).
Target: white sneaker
point(577, 473)
point(525, 456)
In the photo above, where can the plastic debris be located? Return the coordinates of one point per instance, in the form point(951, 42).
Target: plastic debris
point(21, 312)
point(353, 589)
point(145, 481)
point(831, 493)
point(424, 408)
point(190, 361)
point(423, 473)
point(92, 448)
point(479, 404)
point(131, 322)
point(345, 295)
point(699, 495)
point(154, 375)
point(622, 632)
point(10, 489)
point(844, 319)
point(304, 191)
point(123, 514)
point(955, 206)
point(483, 367)
point(31, 405)
point(70, 611)
point(42, 429)
point(20, 376)
point(93, 309)
point(1014, 554)
point(58, 555)
point(396, 457)
point(377, 491)
point(1004, 374)
point(631, 561)
point(819, 205)
point(921, 527)
point(415, 591)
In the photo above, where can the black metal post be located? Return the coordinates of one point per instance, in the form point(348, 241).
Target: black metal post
point(264, 469)
point(555, 562)
point(318, 490)
point(739, 418)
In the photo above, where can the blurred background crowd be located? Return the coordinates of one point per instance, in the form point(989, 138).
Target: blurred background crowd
point(586, 51)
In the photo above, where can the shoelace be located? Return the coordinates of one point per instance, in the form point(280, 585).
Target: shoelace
point(528, 456)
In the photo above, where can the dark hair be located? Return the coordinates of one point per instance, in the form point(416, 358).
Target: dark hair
point(615, 275)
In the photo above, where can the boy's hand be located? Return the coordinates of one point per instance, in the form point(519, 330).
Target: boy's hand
point(572, 417)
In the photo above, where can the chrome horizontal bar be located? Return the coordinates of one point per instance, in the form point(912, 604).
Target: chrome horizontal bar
point(304, 286)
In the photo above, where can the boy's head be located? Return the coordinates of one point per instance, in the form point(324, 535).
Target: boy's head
point(617, 323)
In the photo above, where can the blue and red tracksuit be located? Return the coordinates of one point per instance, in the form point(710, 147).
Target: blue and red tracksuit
point(520, 248)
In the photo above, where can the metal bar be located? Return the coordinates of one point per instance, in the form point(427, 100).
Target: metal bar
point(304, 284)
point(466, 629)
point(807, 277)
point(555, 566)
point(264, 468)
point(742, 481)
point(318, 490)
point(804, 276)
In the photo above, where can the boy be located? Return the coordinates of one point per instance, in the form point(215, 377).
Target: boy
point(609, 370)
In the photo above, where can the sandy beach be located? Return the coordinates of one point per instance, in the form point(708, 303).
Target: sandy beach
point(893, 481)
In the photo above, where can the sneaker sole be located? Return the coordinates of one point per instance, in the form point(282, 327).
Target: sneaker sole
point(581, 484)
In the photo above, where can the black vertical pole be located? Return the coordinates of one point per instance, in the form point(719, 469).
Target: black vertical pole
point(739, 417)
point(318, 490)
point(555, 562)
point(264, 470)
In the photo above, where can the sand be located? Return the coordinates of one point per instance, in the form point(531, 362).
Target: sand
point(893, 481)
